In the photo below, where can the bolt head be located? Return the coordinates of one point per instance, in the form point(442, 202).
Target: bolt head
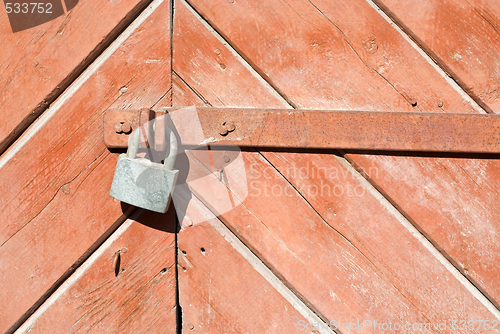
point(126, 128)
point(118, 127)
point(223, 130)
point(230, 126)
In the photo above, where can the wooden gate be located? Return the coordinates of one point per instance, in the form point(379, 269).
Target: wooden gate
point(323, 242)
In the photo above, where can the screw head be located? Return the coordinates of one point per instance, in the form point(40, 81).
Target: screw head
point(230, 126)
point(118, 127)
point(227, 159)
point(440, 104)
point(371, 46)
point(223, 130)
point(126, 128)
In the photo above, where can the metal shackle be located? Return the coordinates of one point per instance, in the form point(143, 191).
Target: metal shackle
point(169, 161)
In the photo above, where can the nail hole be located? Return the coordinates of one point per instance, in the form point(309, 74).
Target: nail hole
point(414, 104)
point(163, 271)
point(183, 252)
point(202, 250)
point(116, 263)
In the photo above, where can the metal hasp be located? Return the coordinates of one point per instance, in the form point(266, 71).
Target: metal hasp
point(360, 130)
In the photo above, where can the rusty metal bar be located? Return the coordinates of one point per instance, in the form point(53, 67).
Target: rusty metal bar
point(363, 130)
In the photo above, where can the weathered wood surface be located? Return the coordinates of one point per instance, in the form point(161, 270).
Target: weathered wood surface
point(37, 64)
point(323, 58)
point(327, 60)
point(331, 239)
point(347, 253)
point(462, 36)
point(139, 296)
point(220, 292)
point(218, 289)
point(55, 191)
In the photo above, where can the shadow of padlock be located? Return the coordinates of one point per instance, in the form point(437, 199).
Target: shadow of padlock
point(143, 183)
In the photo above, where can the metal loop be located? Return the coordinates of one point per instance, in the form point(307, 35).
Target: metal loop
point(172, 150)
point(169, 162)
point(133, 145)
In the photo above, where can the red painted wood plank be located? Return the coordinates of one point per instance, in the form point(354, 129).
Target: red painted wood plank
point(55, 190)
point(323, 58)
point(289, 52)
point(463, 36)
point(307, 249)
point(453, 201)
point(37, 64)
point(341, 255)
point(220, 292)
point(213, 296)
point(141, 298)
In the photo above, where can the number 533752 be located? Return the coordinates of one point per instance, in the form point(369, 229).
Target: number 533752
point(32, 7)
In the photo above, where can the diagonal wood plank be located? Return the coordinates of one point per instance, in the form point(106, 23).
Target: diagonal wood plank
point(37, 64)
point(462, 36)
point(139, 296)
point(306, 249)
point(303, 75)
point(212, 294)
point(365, 64)
point(55, 189)
point(220, 292)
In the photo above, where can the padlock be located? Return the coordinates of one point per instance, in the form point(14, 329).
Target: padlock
point(143, 183)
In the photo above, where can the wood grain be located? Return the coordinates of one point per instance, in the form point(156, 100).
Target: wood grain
point(340, 273)
point(463, 36)
point(220, 292)
point(55, 192)
point(37, 64)
point(287, 38)
point(213, 297)
point(453, 201)
point(139, 297)
point(321, 58)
